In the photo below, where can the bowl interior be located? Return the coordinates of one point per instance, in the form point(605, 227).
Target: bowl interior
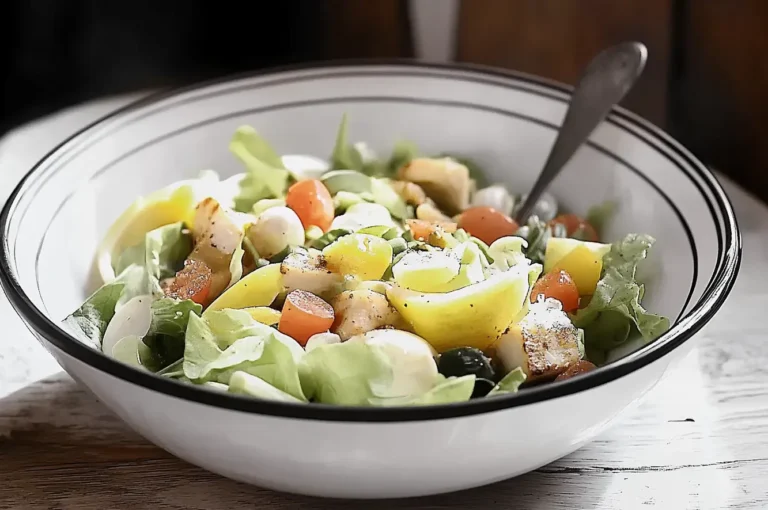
point(505, 124)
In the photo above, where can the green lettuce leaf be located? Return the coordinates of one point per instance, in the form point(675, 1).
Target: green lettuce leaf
point(140, 268)
point(359, 157)
point(403, 153)
point(356, 373)
point(345, 373)
point(243, 383)
point(170, 316)
point(162, 253)
point(265, 176)
point(384, 194)
point(167, 328)
point(257, 147)
point(615, 309)
point(345, 156)
point(509, 384)
point(599, 215)
point(446, 391)
point(251, 347)
point(89, 322)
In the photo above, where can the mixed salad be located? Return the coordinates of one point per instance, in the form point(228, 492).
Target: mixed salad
point(360, 281)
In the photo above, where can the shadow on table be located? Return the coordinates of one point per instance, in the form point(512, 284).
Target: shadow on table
point(56, 440)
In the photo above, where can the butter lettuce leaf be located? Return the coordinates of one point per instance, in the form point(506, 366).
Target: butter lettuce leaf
point(243, 383)
point(89, 322)
point(347, 373)
point(446, 391)
point(158, 256)
point(357, 373)
point(224, 342)
point(614, 310)
point(162, 252)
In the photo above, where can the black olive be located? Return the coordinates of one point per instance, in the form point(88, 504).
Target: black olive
point(482, 387)
point(465, 361)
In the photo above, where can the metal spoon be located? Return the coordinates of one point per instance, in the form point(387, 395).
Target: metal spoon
point(605, 82)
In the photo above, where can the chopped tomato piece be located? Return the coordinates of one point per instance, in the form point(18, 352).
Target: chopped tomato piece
point(487, 224)
point(422, 229)
point(581, 367)
point(304, 315)
point(576, 226)
point(312, 203)
point(557, 285)
point(192, 282)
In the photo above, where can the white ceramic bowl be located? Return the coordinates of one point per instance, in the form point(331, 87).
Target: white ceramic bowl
point(507, 123)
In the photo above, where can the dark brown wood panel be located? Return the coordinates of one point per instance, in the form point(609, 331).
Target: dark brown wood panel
point(367, 28)
point(556, 38)
point(720, 94)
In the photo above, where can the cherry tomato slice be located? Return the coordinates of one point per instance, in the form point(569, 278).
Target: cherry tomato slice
point(487, 224)
point(578, 368)
point(576, 226)
point(312, 203)
point(558, 285)
point(304, 315)
point(192, 282)
point(422, 229)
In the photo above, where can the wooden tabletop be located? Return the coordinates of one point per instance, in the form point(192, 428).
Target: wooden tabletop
point(698, 441)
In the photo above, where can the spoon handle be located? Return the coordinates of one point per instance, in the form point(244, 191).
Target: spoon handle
point(605, 81)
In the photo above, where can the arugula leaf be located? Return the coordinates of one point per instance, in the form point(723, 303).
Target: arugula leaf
point(345, 156)
point(509, 384)
point(258, 147)
point(89, 322)
point(266, 177)
point(615, 308)
point(536, 233)
point(329, 237)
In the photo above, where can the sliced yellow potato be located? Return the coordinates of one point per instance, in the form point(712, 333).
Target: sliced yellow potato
point(259, 288)
point(162, 207)
point(426, 271)
point(584, 266)
point(559, 247)
point(473, 316)
point(364, 256)
point(264, 314)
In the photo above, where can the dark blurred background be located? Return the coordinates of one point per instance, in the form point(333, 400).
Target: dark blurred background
point(706, 83)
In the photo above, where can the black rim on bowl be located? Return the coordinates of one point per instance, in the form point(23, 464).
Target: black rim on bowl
point(714, 295)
